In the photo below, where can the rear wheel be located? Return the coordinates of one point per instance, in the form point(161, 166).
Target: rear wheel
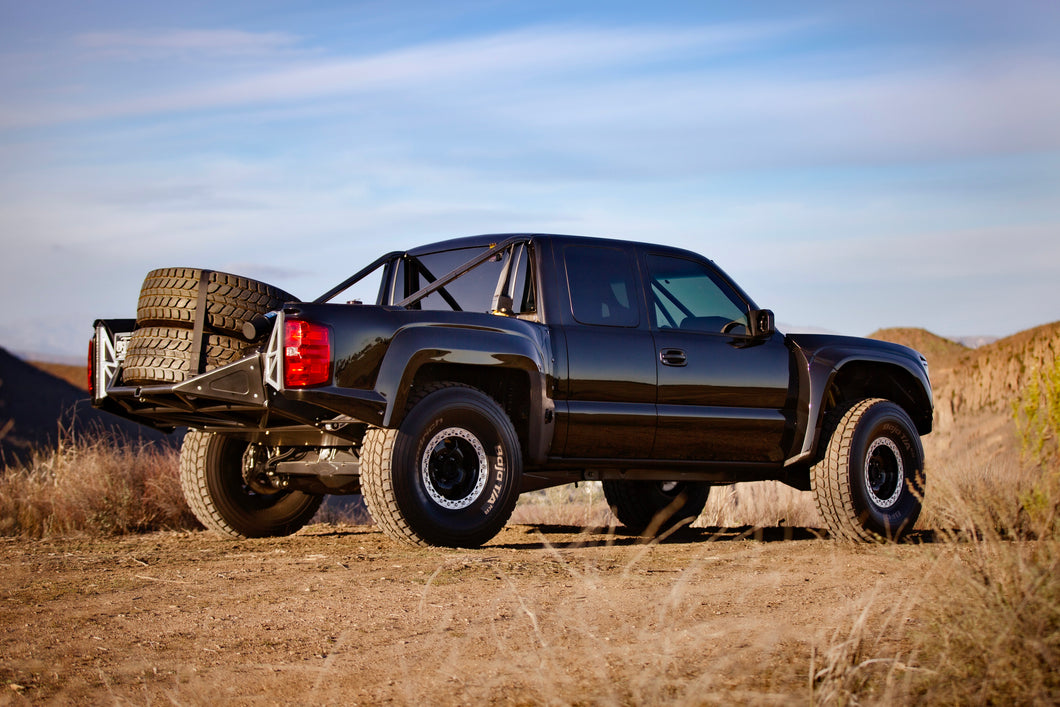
point(652, 507)
point(870, 483)
point(229, 500)
point(449, 475)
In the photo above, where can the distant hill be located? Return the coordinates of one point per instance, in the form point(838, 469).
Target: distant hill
point(985, 378)
point(74, 375)
point(974, 389)
point(940, 352)
point(36, 407)
point(974, 342)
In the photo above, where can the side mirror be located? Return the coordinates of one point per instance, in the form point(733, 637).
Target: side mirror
point(762, 323)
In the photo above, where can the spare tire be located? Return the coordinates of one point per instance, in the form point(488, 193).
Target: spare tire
point(164, 355)
point(169, 295)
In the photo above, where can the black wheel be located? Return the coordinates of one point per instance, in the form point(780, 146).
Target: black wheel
point(164, 354)
point(169, 296)
point(230, 502)
point(449, 475)
point(869, 485)
point(652, 507)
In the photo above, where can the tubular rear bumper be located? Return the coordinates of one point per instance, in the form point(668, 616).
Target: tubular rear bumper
point(245, 397)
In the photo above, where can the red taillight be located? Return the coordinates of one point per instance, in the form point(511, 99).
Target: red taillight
point(92, 367)
point(306, 354)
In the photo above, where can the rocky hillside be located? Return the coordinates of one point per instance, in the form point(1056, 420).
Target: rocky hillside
point(988, 378)
point(974, 388)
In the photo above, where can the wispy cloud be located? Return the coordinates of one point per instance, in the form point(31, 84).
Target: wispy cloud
point(502, 59)
point(584, 91)
point(198, 43)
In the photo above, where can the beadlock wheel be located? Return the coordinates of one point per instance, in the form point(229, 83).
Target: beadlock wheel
point(884, 472)
point(454, 468)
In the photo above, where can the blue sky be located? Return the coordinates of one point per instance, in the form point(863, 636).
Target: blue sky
point(852, 165)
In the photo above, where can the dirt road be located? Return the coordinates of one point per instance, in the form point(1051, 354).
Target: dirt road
point(342, 615)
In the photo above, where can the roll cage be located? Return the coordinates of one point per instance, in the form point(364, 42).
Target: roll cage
point(503, 296)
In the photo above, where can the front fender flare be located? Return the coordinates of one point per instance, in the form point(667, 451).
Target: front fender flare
point(821, 368)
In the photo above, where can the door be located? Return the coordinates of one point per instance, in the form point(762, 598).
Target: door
point(721, 392)
point(610, 355)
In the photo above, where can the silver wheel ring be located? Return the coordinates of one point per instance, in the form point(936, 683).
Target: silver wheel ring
point(425, 469)
point(898, 487)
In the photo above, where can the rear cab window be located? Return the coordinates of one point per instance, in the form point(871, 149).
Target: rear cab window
point(474, 290)
point(602, 286)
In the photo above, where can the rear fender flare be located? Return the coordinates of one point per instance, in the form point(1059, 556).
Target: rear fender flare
point(415, 347)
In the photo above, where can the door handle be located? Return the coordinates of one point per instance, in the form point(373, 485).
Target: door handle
point(673, 357)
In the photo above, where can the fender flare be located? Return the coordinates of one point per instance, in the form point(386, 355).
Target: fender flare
point(416, 346)
point(817, 374)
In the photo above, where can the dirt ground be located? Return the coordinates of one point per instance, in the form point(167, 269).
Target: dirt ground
point(342, 615)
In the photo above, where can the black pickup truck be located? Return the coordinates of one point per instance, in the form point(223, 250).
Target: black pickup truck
point(494, 365)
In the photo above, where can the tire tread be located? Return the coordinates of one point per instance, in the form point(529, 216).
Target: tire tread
point(830, 477)
point(169, 297)
point(194, 485)
point(377, 483)
point(164, 354)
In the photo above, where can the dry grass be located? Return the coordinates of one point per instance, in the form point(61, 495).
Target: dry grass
point(759, 505)
point(580, 505)
point(98, 486)
point(994, 637)
point(982, 628)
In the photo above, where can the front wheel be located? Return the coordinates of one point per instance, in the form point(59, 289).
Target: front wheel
point(449, 475)
point(870, 483)
point(226, 502)
point(651, 507)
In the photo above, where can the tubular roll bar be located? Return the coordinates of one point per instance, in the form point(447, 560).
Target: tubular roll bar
point(357, 276)
point(469, 265)
point(432, 287)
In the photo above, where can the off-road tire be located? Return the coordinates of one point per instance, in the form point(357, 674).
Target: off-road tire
point(869, 484)
point(211, 477)
point(158, 355)
point(408, 473)
point(169, 296)
point(653, 507)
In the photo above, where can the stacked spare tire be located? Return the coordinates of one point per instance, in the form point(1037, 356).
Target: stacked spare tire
point(170, 322)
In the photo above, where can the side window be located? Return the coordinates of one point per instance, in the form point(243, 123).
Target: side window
point(690, 296)
point(601, 286)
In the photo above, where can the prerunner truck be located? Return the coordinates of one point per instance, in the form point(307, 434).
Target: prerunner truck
point(495, 365)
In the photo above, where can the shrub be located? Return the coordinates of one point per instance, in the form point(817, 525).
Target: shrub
point(1037, 413)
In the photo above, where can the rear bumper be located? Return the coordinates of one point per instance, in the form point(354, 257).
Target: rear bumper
point(238, 398)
